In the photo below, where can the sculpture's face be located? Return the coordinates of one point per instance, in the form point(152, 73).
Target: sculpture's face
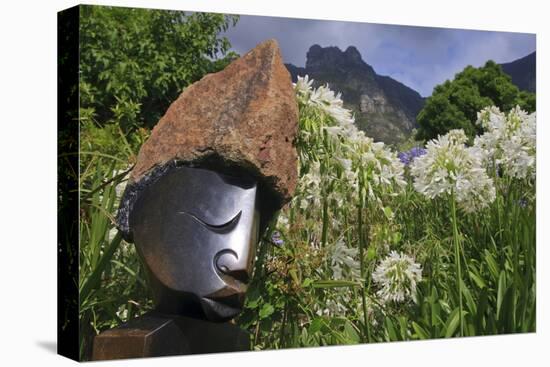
point(196, 232)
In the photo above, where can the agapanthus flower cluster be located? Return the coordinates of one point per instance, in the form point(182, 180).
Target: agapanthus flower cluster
point(397, 276)
point(509, 142)
point(343, 261)
point(350, 153)
point(408, 156)
point(382, 167)
point(451, 168)
point(310, 187)
point(326, 100)
point(337, 164)
point(335, 304)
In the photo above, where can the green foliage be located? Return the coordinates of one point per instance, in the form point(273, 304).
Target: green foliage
point(498, 278)
point(478, 269)
point(454, 104)
point(111, 284)
point(498, 285)
point(295, 298)
point(135, 62)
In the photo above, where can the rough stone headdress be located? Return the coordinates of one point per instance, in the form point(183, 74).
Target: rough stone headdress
point(242, 120)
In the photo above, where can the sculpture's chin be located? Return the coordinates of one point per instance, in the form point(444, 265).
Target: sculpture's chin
point(222, 309)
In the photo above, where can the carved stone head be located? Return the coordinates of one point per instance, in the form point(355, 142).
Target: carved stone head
point(216, 167)
point(196, 232)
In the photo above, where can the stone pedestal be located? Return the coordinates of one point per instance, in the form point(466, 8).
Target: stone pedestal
point(155, 335)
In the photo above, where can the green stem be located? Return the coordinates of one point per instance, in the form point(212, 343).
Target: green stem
point(282, 336)
point(457, 262)
point(94, 279)
point(325, 222)
point(362, 262)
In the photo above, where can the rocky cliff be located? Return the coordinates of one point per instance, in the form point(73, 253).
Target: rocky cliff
point(523, 72)
point(384, 108)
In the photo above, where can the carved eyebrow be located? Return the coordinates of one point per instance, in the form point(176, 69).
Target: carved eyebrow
point(219, 228)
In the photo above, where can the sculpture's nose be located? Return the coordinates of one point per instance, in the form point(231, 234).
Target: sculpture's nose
point(238, 267)
point(235, 259)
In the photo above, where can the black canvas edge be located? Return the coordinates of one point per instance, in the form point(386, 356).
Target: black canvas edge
point(67, 182)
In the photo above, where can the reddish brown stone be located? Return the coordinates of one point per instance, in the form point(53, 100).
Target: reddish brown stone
point(244, 116)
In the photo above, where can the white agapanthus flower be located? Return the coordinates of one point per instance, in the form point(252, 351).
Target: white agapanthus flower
point(335, 305)
point(303, 86)
point(344, 261)
point(338, 163)
point(509, 141)
point(397, 276)
point(325, 99)
point(352, 151)
point(383, 165)
point(449, 167)
point(282, 222)
point(309, 187)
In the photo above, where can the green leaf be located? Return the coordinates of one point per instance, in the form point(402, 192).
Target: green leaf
point(477, 279)
point(266, 310)
point(131, 272)
point(403, 326)
point(493, 267)
point(335, 283)
point(391, 330)
point(469, 299)
point(501, 290)
point(94, 279)
point(435, 313)
point(452, 323)
point(351, 334)
point(371, 253)
point(294, 276)
point(420, 332)
point(253, 302)
point(388, 213)
point(316, 325)
point(304, 337)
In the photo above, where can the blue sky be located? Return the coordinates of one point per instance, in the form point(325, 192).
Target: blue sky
point(420, 57)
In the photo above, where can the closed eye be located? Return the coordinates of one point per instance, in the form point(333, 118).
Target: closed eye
point(219, 228)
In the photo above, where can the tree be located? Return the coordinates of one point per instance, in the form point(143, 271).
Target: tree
point(454, 104)
point(135, 62)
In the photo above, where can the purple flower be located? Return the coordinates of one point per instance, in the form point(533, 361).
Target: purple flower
point(276, 239)
point(407, 157)
point(417, 152)
point(404, 157)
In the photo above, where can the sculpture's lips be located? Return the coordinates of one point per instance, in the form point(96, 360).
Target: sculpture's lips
point(228, 290)
point(232, 297)
point(234, 301)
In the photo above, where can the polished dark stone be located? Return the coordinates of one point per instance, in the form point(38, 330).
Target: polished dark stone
point(196, 231)
point(156, 335)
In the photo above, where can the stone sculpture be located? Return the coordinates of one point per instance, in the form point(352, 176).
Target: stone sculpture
point(215, 169)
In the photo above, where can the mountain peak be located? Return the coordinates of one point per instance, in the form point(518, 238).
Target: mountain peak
point(523, 72)
point(333, 57)
point(384, 108)
point(352, 53)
